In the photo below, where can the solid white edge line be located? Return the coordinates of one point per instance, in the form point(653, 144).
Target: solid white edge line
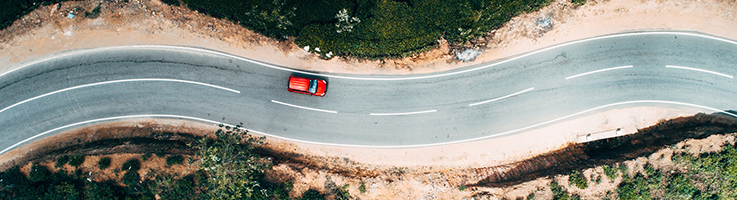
point(370, 146)
point(597, 71)
point(406, 113)
point(700, 70)
point(378, 79)
point(307, 108)
point(500, 98)
point(118, 81)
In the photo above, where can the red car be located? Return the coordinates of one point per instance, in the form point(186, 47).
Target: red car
point(309, 86)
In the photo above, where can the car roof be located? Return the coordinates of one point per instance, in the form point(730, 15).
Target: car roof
point(299, 83)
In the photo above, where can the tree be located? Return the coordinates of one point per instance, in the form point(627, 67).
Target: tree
point(232, 168)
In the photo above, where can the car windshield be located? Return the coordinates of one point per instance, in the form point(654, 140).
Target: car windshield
point(313, 86)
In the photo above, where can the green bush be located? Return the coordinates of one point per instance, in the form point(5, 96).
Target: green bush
point(610, 172)
point(578, 2)
point(145, 157)
point(177, 159)
point(64, 190)
point(577, 178)
point(342, 193)
point(38, 173)
point(94, 14)
point(362, 188)
point(131, 178)
point(160, 153)
point(76, 160)
point(132, 165)
point(623, 169)
point(61, 161)
point(171, 2)
point(103, 163)
point(169, 188)
point(558, 192)
point(312, 194)
point(104, 190)
point(234, 171)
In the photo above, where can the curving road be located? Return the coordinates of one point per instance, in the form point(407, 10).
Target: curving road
point(80, 88)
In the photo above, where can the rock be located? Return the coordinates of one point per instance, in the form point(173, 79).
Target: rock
point(468, 55)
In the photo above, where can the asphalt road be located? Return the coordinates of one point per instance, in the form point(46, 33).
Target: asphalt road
point(75, 89)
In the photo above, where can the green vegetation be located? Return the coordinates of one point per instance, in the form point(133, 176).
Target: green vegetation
point(233, 170)
point(368, 28)
point(61, 161)
point(94, 14)
point(159, 153)
point(103, 163)
point(145, 157)
point(131, 165)
point(38, 173)
point(610, 172)
point(623, 168)
point(362, 188)
point(171, 2)
point(342, 193)
point(312, 194)
point(559, 193)
point(578, 2)
point(712, 176)
point(576, 178)
point(174, 160)
point(76, 160)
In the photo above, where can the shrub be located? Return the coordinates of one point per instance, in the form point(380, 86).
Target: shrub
point(312, 194)
point(160, 153)
point(558, 192)
point(234, 170)
point(103, 163)
point(177, 159)
point(623, 169)
point(145, 157)
point(169, 188)
point(76, 160)
point(131, 178)
point(610, 172)
point(577, 178)
point(64, 190)
point(132, 165)
point(104, 190)
point(362, 188)
point(342, 193)
point(61, 161)
point(171, 2)
point(94, 14)
point(38, 173)
point(578, 2)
